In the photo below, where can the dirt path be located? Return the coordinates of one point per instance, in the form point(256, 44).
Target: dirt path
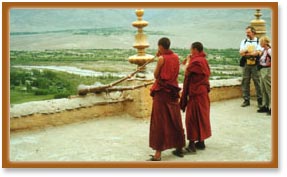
point(239, 134)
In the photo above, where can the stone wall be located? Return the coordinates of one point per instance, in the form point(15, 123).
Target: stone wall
point(142, 101)
point(227, 89)
point(55, 112)
point(65, 117)
point(137, 103)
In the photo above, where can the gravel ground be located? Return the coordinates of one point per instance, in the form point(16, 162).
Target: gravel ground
point(239, 134)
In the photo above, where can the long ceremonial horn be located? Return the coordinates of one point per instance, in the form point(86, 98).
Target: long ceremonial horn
point(83, 90)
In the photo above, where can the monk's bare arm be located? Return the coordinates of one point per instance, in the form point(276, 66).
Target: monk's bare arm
point(158, 67)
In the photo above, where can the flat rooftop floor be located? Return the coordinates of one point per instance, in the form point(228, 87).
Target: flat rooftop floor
point(238, 134)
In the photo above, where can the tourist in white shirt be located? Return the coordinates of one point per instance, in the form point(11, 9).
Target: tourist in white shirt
point(250, 50)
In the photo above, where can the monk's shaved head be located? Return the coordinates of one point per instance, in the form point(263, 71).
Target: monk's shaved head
point(164, 42)
point(198, 46)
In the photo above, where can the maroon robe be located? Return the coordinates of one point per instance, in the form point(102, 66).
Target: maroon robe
point(195, 99)
point(166, 130)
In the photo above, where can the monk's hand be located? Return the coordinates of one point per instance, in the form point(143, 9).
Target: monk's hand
point(186, 73)
point(184, 61)
point(158, 54)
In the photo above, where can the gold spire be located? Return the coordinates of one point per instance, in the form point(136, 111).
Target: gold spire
point(140, 41)
point(259, 24)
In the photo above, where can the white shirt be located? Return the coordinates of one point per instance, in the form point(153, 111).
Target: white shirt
point(263, 60)
point(250, 44)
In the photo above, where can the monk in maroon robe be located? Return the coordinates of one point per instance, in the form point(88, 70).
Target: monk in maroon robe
point(195, 98)
point(166, 130)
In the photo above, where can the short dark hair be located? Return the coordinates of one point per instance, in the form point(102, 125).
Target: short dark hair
point(164, 42)
point(253, 30)
point(197, 45)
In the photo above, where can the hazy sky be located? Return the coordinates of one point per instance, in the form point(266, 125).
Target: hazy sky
point(216, 28)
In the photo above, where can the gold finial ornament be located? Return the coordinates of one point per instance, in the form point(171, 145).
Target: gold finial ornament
point(140, 41)
point(259, 24)
point(139, 12)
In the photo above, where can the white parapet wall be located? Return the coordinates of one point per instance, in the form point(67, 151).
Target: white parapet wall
point(137, 103)
point(55, 112)
point(227, 89)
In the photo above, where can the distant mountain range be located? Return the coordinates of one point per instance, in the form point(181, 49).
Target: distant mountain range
point(34, 29)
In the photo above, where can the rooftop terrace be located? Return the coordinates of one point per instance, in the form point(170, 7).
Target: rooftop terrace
point(239, 134)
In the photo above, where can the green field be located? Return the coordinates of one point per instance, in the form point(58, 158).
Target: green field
point(215, 56)
point(32, 85)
